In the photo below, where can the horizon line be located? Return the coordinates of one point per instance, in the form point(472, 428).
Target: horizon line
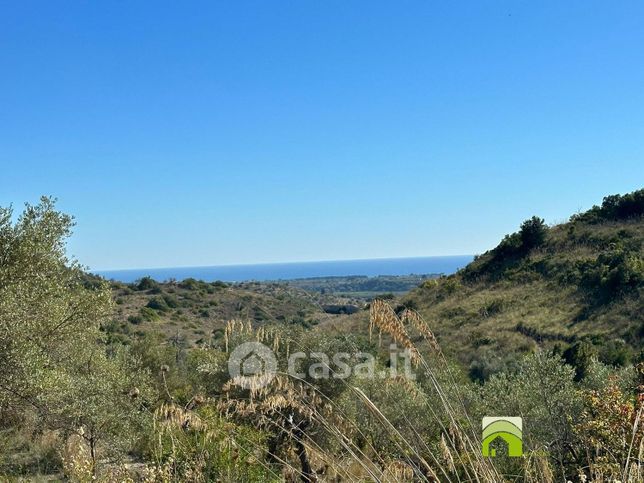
point(273, 263)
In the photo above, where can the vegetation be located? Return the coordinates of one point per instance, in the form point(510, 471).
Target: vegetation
point(59, 378)
point(555, 287)
point(357, 289)
point(113, 382)
point(199, 310)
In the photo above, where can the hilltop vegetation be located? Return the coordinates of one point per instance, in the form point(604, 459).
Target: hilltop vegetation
point(123, 383)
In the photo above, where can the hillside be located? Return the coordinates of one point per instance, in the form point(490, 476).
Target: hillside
point(358, 288)
point(575, 286)
point(197, 311)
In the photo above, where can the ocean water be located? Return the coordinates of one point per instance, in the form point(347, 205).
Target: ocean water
point(288, 271)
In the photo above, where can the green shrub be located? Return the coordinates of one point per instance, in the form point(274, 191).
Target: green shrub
point(409, 304)
point(148, 314)
point(191, 284)
point(533, 233)
point(135, 319)
point(543, 392)
point(146, 283)
point(614, 207)
point(615, 272)
point(158, 303)
point(171, 301)
point(450, 285)
point(580, 355)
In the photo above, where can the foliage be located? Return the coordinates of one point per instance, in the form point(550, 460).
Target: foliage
point(55, 365)
point(614, 272)
point(103, 402)
point(93, 390)
point(543, 393)
point(158, 303)
point(200, 445)
point(581, 356)
point(146, 283)
point(614, 207)
point(611, 432)
point(533, 233)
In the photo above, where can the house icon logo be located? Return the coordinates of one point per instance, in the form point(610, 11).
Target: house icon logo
point(252, 365)
point(506, 429)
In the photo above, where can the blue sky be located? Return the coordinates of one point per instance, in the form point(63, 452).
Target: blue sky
point(182, 133)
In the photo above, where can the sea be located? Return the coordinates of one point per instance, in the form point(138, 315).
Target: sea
point(289, 271)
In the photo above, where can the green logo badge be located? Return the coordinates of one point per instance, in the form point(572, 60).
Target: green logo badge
point(508, 429)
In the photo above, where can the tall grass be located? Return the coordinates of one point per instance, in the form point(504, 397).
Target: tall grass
point(307, 434)
point(456, 458)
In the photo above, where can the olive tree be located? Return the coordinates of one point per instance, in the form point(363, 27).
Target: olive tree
point(54, 362)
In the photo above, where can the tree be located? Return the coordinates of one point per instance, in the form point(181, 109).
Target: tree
point(103, 402)
point(45, 311)
point(580, 355)
point(542, 391)
point(54, 362)
point(533, 233)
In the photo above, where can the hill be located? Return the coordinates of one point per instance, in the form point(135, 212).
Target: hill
point(358, 288)
point(197, 311)
point(575, 286)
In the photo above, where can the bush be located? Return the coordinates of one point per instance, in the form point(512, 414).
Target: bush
point(450, 285)
point(158, 303)
point(615, 352)
point(542, 391)
point(191, 284)
point(149, 314)
point(614, 207)
point(610, 430)
point(532, 233)
point(171, 301)
point(135, 319)
point(408, 304)
point(614, 272)
point(580, 355)
point(147, 283)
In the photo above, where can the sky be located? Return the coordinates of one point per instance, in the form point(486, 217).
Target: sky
point(207, 133)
